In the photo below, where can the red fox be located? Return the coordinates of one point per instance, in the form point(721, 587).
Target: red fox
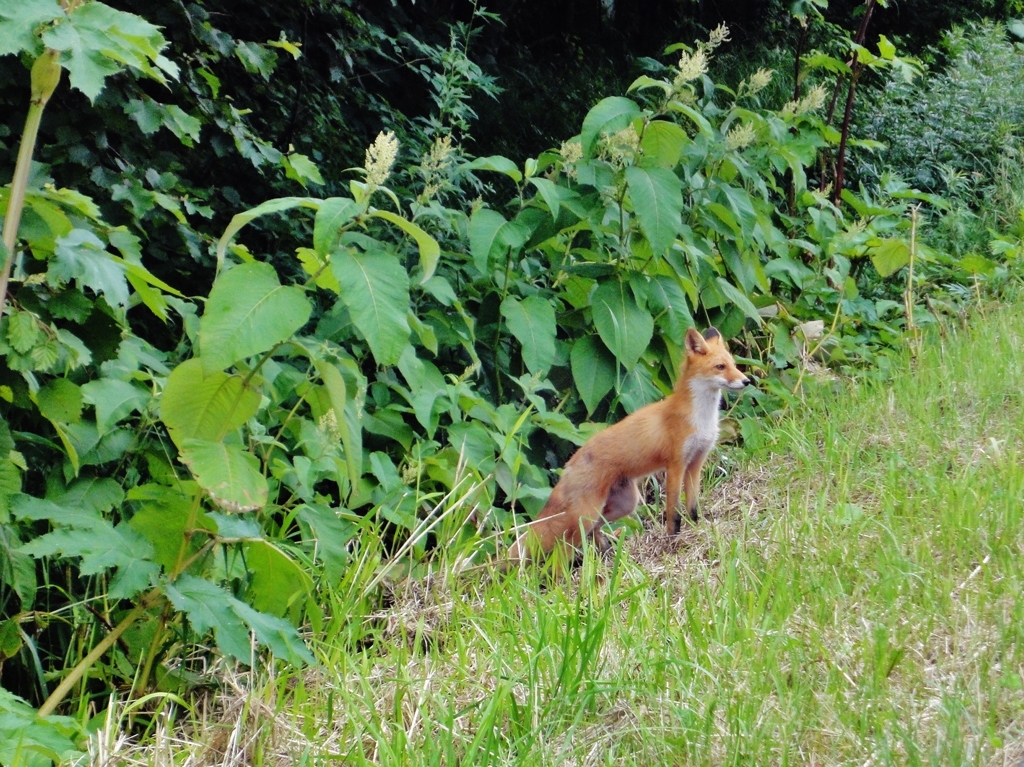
point(598, 484)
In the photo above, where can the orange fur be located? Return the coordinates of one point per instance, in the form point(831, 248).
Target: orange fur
point(598, 484)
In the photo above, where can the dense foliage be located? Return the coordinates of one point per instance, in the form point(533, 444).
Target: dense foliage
point(212, 408)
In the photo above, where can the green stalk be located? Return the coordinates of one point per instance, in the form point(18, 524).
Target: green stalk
point(83, 665)
point(45, 76)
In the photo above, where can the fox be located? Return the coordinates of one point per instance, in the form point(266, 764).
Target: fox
point(599, 482)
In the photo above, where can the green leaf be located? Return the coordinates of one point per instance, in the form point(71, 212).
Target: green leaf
point(375, 289)
point(277, 584)
point(114, 399)
point(98, 41)
point(490, 234)
point(270, 206)
point(662, 144)
point(890, 256)
point(532, 322)
point(426, 384)
point(60, 400)
point(208, 606)
point(229, 474)
point(608, 115)
point(332, 534)
point(496, 163)
point(298, 167)
point(81, 256)
point(666, 298)
point(593, 370)
point(77, 533)
point(206, 406)
point(624, 327)
point(553, 194)
point(334, 383)
point(658, 202)
point(247, 313)
point(163, 516)
point(430, 251)
point(20, 21)
point(332, 215)
point(739, 298)
point(17, 569)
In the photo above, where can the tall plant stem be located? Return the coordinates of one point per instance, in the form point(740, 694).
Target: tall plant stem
point(105, 644)
point(45, 76)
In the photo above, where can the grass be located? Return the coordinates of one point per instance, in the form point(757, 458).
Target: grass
point(855, 598)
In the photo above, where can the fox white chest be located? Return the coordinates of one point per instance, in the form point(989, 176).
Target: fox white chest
point(704, 420)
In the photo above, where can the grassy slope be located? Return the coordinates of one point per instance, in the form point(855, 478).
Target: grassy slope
point(857, 598)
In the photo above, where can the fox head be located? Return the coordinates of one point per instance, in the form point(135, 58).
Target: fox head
point(708, 359)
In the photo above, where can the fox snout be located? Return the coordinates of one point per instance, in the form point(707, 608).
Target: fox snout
point(738, 384)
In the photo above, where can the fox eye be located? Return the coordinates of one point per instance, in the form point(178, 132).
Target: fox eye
point(719, 366)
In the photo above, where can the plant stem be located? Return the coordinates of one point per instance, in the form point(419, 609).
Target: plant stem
point(45, 76)
point(107, 642)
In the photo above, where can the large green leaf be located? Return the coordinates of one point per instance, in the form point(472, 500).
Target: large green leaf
point(426, 385)
point(608, 115)
point(98, 40)
point(662, 144)
point(277, 584)
point(20, 21)
point(375, 289)
point(333, 214)
point(890, 256)
point(81, 256)
point(208, 606)
point(496, 163)
point(624, 327)
point(658, 203)
point(553, 194)
point(532, 322)
point(739, 298)
point(229, 474)
point(593, 370)
point(247, 313)
point(490, 234)
point(60, 400)
point(203, 405)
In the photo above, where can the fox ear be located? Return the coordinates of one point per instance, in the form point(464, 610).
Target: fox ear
point(711, 333)
point(695, 343)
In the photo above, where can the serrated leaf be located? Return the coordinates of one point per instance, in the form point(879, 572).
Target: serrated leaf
point(114, 399)
point(60, 400)
point(96, 494)
point(375, 289)
point(248, 312)
point(532, 322)
point(624, 327)
point(657, 202)
point(23, 331)
point(206, 406)
point(81, 256)
point(208, 606)
point(20, 20)
point(229, 474)
point(608, 115)
point(593, 371)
